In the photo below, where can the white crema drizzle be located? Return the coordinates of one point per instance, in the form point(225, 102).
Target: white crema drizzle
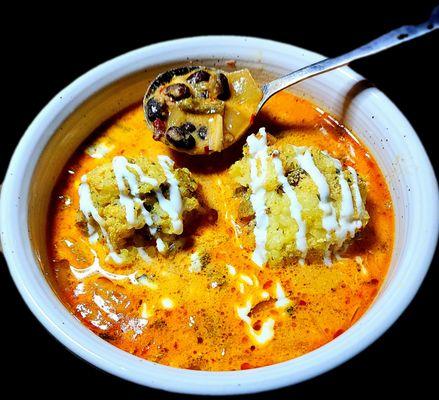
point(128, 186)
point(258, 152)
point(174, 205)
point(91, 214)
point(347, 224)
point(329, 220)
point(356, 192)
point(129, 198)
point(266, 332)
point(295, 207)
point(96, 269)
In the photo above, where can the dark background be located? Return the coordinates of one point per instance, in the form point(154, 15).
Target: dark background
point(44, 50)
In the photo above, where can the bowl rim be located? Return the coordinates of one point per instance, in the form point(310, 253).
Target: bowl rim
point(126, 366)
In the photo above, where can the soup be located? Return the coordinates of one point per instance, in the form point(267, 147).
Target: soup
point(215, 293)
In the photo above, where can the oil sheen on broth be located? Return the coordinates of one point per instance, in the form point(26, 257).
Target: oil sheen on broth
point(211, 304)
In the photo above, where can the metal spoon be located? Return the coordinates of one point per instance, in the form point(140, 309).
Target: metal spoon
point(384, 42)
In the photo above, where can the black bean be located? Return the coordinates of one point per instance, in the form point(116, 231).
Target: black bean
point(177, 137)
point(224, 89)
point(177, 91)
point(199, 76)
point(167, 76)
point(202, 132)
point(187, 127)
point(156, 109)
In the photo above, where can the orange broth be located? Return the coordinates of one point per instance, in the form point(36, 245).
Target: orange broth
point(190, 320)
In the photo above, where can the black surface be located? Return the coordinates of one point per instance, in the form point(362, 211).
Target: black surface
point(44, 50)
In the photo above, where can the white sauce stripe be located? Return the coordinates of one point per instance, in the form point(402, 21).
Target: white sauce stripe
point(329, 220)
point(128, 198)
point(282, 301)
point(96, 269)
point(258, 152)
point(347, 224)
point(295, 207)
point(231, 269)
point(131, 199)
point(87, 207)
point(356, 192)
point(160, 244)
point(127, 183)
point(91, 214)
point(246, 279)
point(174, 206)
point(144, 255)
point(265, 333)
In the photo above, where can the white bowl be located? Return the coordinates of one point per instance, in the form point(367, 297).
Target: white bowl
point(77, 110)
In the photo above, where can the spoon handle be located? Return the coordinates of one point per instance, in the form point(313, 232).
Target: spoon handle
point(393, 38)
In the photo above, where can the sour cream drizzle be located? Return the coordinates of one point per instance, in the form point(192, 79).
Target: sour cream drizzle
point(130, 198)
point(356, 192)
point(295, 207)
point(128, 186)
point(347, 224)
point(144, 255)
point(174, 206)
point(262, 336)
point(329, 220)
point(91, 213)
point(258, 152)
point(96, 269)
point(282, 300)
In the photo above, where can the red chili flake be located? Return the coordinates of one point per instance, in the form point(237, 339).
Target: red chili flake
point(257, 325)
point(338, 333)
point(160, 126)
point(302, 303)
point(199, 340)
point(374, 281)
point(252, 348)
point(267, 284)
point(245, 365)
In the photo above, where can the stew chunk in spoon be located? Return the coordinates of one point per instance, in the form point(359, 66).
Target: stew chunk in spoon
point(201, 110)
